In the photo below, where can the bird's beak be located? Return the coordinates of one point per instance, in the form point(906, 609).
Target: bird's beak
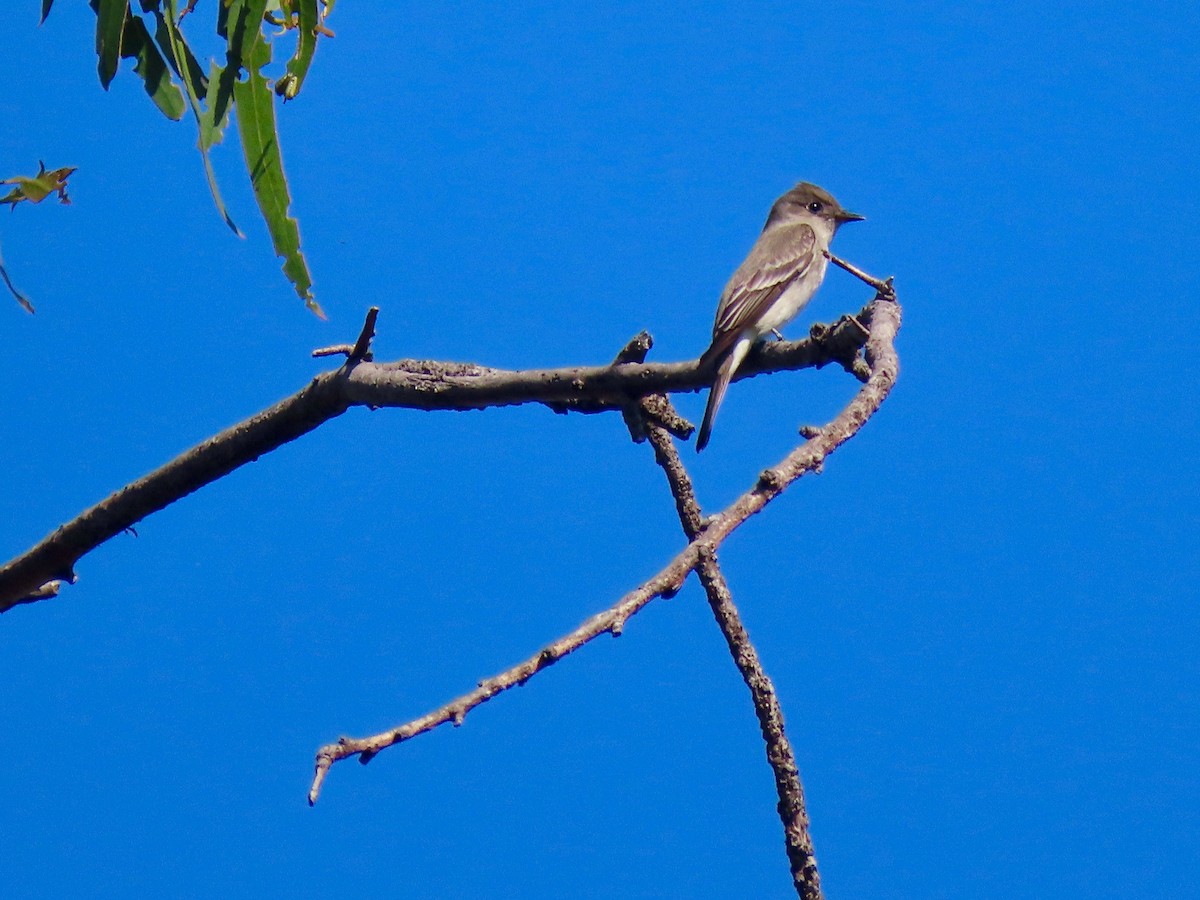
point(845, 216)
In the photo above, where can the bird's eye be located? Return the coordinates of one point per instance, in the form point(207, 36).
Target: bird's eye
point(815, 206)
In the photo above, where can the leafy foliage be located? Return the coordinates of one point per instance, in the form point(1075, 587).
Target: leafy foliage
point(175, 81)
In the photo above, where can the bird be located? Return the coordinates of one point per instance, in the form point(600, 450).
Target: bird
point(779, 276)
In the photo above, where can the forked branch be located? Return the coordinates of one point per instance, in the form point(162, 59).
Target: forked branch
point(863, 345)
point(880, 320)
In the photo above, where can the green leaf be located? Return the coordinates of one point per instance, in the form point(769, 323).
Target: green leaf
point(193, 72)
point(110, 24)
point(36, 188)
point(178, 51)
point(306, 46)
point(152, 68)
point(46, 4)
point(217, 103)
point(243, 28)
point(260, 143)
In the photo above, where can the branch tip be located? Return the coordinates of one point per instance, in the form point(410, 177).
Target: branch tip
point(360, 350)
point(333, 350)
point(882, 286)
point(636, 349)
point(362, 347)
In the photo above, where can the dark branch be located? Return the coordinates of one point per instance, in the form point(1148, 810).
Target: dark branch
point(360, 349)
point(55, 556)
point(411, 384)
point(431, 385)
point(792, 810)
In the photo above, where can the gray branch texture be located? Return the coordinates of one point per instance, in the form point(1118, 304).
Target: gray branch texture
point(862, 344)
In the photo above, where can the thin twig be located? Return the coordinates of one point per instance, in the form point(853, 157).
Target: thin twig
point(883, 286)
point(883, 320)
point(665, 584)
point(333, 350)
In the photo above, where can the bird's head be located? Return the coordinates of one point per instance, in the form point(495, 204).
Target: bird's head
point(808, 201)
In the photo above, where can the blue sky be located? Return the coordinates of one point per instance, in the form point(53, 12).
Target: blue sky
point(981, 618)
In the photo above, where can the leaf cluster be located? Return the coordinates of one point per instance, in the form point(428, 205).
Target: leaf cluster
point(175, 81)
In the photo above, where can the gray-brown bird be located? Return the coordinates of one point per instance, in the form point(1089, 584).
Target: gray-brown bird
point(779, 276)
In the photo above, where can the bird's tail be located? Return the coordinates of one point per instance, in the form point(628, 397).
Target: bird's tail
point(715, 396)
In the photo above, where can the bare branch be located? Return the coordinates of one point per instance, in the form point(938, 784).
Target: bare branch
point(411, 384)
point(634, 352)
point(792, 810)
point(333, 350)
point(882, 318)
point(55, 556)
point(665, 584)
point(431, 385)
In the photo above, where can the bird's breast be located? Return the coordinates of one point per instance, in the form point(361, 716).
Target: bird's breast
point(794, 297)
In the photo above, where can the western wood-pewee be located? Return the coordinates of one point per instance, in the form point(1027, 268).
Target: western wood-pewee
point(783, 270)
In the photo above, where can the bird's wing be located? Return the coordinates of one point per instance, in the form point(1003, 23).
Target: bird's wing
point(778, 258)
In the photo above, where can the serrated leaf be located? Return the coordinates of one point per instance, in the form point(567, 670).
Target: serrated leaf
point(260, 143)
point(306, 46)
point(243, 27)
point(217, 103)
point(110, 25)
point(152, 68)
point(177, 49)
